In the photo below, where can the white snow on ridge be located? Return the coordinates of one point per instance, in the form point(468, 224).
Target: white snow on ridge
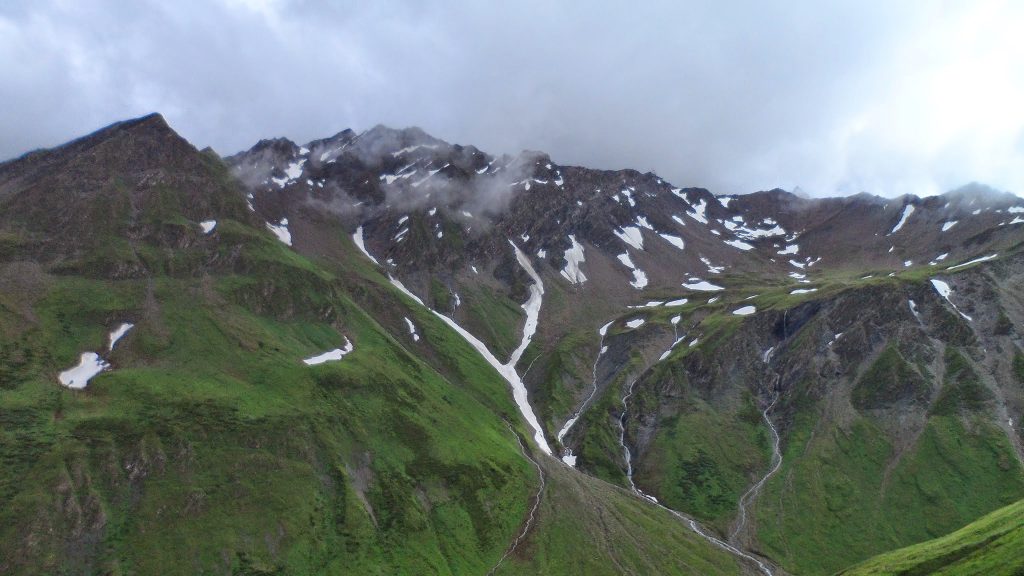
point(744, 311)
point(701, 285)
point(1015, 210)
point(944, 290)
point(358, 239)
point(907, 211)
point(89, 365)
point(804, 290)
point(208, 226)
point(636, 323)
point(791, 249)
point(678, 302)
point(573, 258)
point(699, 210)
point(330, 355)
point(975, 261)
point(293, 171)
point(631, 235)
point(674, 240)
point(948, 225)
point(281, 231)
point(119, 333)
point(642, 222)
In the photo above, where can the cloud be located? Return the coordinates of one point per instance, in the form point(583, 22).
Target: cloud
point(886, 97)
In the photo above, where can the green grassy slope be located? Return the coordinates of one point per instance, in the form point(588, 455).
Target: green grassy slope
point(990, 546)
point(579, 514)
point(211, 446)
point(842, 495)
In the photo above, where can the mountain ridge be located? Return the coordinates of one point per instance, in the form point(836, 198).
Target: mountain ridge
point(694, 341)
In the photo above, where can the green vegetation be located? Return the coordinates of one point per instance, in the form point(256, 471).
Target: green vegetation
point(839, 488)
point(211, 446)
point(702, 461)
point(889, 380)
point(962, 390)
point(990, 546)
point(580, 513)
point(493, 318)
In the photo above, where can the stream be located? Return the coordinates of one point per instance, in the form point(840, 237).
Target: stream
point(568, 457)
point(694, 526)
point(750, 496)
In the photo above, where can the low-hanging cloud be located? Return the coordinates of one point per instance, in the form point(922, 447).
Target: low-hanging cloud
point(836, 98)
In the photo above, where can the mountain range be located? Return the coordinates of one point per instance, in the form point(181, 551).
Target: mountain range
point(381, 353)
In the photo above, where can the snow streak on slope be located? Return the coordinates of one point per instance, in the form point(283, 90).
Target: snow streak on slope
point(944, 290)
point(119, 333)
point(331, 355)
point(975, 261)
point(507, 370)
point(907, 211)
point(281, 231)
point(358, 239)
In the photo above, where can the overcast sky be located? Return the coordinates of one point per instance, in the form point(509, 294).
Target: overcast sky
point(885, 97)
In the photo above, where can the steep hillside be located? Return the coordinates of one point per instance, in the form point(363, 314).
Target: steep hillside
point(989, 546)
point(181, 392)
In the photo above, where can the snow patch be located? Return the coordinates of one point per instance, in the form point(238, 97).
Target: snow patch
point(330, 355)
point(119, 333)
point(975, 261)
point(631, 235)
point(739, 244)
point(358, 239)
point(945, 291)
point(412, 330)
point(573, 258)
point(208, 226)
point(907, 211)
point(744, 311)
point(639, 276)
point(701, 285)
point(699, 212)
point(635, 323)
point(674, 240)
point(281, 231)
point(89, 365)
point(948, 225)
